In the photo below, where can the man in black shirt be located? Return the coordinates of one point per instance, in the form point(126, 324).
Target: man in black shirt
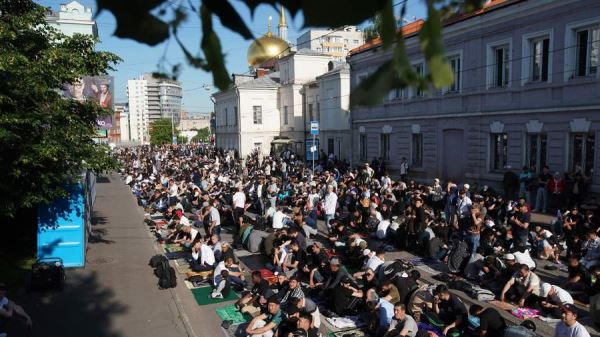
point(578, 278)
point(305, 328)
point(519, 223)
point(450, 309)
point(541, 200)
point(490, 322)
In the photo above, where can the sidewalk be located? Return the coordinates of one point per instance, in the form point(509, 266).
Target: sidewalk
point(116, 294)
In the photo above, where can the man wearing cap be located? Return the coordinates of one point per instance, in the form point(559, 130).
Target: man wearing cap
point(265, 325)
point(524, 287)
point(568, 325)
point(554, 298)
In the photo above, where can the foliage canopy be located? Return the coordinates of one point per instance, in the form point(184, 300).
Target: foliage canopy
point(46, 141)
point(161, 20)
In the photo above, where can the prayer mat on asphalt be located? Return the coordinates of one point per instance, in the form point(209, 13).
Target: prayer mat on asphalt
point(202, 296)
point(170, 248)
point(230, 312)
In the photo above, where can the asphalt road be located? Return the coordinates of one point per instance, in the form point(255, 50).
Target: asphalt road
point(116, 294)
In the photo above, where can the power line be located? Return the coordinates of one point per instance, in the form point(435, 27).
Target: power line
point(461, 91)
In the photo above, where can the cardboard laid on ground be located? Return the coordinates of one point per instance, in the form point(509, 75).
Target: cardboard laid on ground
point(231, 313)
point(182, 266)
point(202, 296)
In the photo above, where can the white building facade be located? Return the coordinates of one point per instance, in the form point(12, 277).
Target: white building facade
point(151, 99)
point(247, 115)
point(333, 42)
point(137, 92)
point(73, 18)
point(274, 111)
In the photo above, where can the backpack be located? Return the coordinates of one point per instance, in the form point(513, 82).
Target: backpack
point(481, 294)
point(166, 275)
point(156, 260)
point(458, 256)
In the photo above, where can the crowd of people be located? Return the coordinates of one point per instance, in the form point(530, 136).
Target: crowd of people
point(340, 269)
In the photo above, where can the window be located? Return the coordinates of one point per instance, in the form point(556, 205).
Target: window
point(582, 152)
point(257, 114)
point(226, 119)
point(536, 152)
point(363, 147)
point(419, 70)
point(235, 116)
point(310, 112)
point(384, 146)
point(285, 115)
point(499, 151)
point(329, 145)
point(258, 146)
point(455, 65)
point(588, 43)
point(501, 66)
point(355, 41)
point(318, 110)
point(539, 59)
point(417, 150)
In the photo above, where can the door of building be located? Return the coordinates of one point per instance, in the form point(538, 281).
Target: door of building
point(453, 166)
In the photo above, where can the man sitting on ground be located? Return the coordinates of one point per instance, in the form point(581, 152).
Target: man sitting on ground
point(402, 325)
point(450, 310)
point(554, 298)
point(265, 325)
point(236, 274)
point(523, 287)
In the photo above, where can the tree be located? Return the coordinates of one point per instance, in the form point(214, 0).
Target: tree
point(202, 135)
point(161, 20)
point(46, 141)
point(161, 132)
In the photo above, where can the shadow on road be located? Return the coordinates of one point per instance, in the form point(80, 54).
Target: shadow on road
point(84, 308)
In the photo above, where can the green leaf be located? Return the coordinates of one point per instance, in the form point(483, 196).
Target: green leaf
point(229, 17)
point(387, 30)
point(211, 46)
point(136, 21)
point(432, 45)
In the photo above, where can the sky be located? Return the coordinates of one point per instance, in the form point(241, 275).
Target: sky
point(197, 85)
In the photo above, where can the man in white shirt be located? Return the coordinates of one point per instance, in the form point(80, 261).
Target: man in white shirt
point(238, 204)
point(568, 326)
point(212, 219)
point(278, 218)
point(382, 228)
point(376, 260)
point(463, 208)
point(554, 298)
point(329, 206)
point(207, 256)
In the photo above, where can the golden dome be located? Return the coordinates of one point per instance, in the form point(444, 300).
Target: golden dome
point(266, 47)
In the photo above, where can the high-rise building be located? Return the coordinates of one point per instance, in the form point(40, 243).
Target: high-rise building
point(151, 99)
point(73, 18)
point(120, 130)
point(170, 95)
point(334, 42)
